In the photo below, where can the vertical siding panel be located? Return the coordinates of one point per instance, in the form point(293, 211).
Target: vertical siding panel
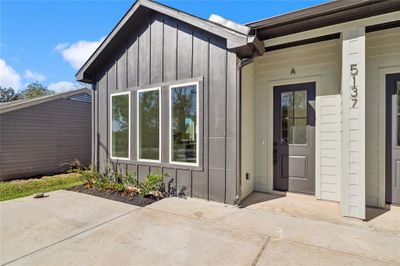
point(184, 52)
point(170, 37)
point(132, 55)
point(143, 171)
point(132, 169)
point(97, 126)
point(111, 88)
point(200, 68)
point(103, 118)
point(112, 77)
point(95, 114)
point(170, 175)
point(144, 54)
point(217, 108)
point(156, 49)
point(184, 182)
point(121, 71)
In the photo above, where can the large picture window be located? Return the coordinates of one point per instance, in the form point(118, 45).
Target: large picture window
point(149, 124)
point(184, 124)
point(120, 125)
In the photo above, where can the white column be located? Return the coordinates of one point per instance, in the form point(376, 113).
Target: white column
point(353, 106)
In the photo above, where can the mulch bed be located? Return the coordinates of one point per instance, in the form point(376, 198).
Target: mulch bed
point(132, 199)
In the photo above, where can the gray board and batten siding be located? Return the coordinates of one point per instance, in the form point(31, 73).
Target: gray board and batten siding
point(41, 136)
point(158, 52)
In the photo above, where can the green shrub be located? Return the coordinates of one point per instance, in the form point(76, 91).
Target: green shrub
point(152, 184)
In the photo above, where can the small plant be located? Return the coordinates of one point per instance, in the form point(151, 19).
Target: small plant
point(151, 184)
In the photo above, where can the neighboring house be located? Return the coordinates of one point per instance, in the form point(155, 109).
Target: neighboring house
point(43, 135)
point(303, 102)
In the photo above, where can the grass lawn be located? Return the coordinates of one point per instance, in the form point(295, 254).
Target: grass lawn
point(22, 188)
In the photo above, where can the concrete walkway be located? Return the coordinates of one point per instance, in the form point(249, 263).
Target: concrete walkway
point(69, 228)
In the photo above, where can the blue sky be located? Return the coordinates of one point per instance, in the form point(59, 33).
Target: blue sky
point(48, 40)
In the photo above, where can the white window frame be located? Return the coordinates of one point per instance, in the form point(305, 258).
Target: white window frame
point(197, 123)
point(129, 128)
point(138, 124)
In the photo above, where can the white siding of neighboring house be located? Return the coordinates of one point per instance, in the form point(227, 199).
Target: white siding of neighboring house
point(247, 131)
point(317, 62)
point(382, 51)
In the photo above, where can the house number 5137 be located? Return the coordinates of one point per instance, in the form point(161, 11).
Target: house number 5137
point(353, 88)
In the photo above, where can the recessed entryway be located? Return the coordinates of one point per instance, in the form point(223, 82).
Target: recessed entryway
point(294, 138)
point(393, 138)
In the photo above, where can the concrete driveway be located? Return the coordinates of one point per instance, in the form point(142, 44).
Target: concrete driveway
point(69, 228)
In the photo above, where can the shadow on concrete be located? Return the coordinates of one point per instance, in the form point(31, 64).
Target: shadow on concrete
point(372, 213)
point(260, 197)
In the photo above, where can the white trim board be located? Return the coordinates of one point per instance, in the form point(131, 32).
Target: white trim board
point(332, 29)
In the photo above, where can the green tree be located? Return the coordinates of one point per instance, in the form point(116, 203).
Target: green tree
point(8, 95)
point(35, 90)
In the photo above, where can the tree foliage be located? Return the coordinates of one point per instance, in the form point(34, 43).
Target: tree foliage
point(8, 95)
point(33, 90)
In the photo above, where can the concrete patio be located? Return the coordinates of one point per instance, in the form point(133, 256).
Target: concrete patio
point(69, 228)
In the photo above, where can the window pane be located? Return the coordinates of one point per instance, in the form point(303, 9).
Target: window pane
point(287, 104)
point(184, 119)
point(286, 113)
point(299, 131)
point(149, 125)
point(300, 104)
point(120, 126)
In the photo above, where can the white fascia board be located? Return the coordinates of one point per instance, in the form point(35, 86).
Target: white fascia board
point(365, 22)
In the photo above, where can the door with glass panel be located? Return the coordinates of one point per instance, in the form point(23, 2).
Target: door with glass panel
point(393, 138)
point(294, 138)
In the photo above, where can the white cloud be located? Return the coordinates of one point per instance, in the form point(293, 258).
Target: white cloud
point(35, 76)
point(77, 53)
point(8, 76)
point(64, 86)
point(61, 46)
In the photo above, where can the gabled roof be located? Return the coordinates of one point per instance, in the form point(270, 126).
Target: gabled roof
point(19, 104)
point(234, 38)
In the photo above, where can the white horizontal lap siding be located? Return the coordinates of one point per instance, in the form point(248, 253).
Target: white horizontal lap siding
point(382, 51)
point(318, 62)
point(328, 142)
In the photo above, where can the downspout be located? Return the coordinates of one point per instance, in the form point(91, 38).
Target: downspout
point(243, 62)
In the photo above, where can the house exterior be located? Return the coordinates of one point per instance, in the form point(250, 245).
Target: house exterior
point(304, 102)
point(43, 135)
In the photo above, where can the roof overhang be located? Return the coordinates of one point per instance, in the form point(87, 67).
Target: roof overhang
point(319, 16)
point(125, 27)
